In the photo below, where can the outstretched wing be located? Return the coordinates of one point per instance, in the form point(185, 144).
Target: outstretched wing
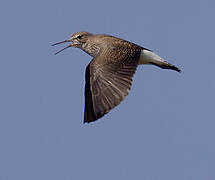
point(108, 79)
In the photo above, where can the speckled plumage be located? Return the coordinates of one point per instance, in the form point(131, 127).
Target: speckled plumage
point(109, 75)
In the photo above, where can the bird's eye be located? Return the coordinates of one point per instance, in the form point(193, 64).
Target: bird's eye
point(79, 37)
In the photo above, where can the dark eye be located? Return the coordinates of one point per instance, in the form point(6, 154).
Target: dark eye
point(79, 36)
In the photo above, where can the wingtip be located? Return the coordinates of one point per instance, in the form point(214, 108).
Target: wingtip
point(87, 121)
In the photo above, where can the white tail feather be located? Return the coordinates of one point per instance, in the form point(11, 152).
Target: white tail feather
point(148, 57)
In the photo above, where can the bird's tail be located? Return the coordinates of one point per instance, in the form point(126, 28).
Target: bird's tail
point(149, 57)
point(166, 65)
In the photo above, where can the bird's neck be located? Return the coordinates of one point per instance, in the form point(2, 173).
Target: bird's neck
point(91, 48)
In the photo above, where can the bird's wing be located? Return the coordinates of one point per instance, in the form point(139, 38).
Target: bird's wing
point(108, 79)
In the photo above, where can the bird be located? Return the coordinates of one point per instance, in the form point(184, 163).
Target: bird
point(108, 76)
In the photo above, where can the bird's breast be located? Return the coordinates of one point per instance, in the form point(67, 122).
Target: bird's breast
point(91, 48)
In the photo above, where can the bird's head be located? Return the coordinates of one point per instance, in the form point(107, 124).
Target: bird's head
point(77, 40)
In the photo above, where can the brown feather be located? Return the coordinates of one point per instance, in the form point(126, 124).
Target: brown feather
point(109, 79)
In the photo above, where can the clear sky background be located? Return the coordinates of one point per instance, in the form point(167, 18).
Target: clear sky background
point(164, 130)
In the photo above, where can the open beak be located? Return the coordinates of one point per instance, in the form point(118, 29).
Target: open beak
point(70, 45)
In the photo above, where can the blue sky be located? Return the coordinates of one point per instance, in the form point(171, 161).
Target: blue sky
point(163, 130)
